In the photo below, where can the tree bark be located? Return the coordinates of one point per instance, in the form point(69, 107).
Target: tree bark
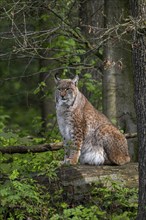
point(47, 103)
point(33, 149)
point(139, 61)
point(77, 181)
point(91, 24)
point(85, 174)
point(118, 85)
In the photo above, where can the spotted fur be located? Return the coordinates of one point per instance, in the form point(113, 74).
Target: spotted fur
point(95, 140)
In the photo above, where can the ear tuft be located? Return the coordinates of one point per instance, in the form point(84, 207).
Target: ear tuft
point(75, 80)
point(56, 78)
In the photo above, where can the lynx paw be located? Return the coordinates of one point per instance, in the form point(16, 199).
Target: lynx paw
point(68, 161)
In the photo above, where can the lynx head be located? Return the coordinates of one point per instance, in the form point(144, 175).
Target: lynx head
point(66, 91)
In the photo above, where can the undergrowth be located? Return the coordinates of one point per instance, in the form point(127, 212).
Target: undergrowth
point(30, 189)
point(23, 196)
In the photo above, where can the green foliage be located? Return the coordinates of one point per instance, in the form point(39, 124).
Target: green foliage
point(40, 87)
point(20, 195)
point(69, 53)
point(45, 39)
point(3, 118)
point(116, 199)
point(23, 197)
point(80, 212)
point(48, 41)
point(116, 202)
point(93, 89)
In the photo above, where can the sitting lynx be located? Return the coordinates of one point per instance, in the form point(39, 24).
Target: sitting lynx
point(95, 139)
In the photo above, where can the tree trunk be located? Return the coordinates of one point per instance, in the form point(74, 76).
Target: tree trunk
point(91, 18)
point(91, 24)
point(85, 174)
point(118, 79)
point(47, 103)
point(139, 60)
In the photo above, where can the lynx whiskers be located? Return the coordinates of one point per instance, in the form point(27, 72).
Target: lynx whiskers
point(95, 139)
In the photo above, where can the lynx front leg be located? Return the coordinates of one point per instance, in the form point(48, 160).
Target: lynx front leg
point(66, 145)
point(75, 152)
point(72, 152)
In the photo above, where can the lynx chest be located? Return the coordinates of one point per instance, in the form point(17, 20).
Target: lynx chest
point(65, 123)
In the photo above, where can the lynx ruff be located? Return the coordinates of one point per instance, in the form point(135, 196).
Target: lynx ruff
point(95, 140)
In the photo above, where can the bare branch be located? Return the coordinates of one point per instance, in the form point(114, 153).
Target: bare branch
point(33, 149)
point(130, 135)
point(42, 147)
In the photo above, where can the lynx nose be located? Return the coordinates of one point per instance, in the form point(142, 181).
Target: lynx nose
point(62, 94)
point(62, 97)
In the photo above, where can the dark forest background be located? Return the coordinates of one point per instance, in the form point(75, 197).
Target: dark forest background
point(97, 41)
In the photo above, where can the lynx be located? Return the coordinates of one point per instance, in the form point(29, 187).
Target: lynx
point(95, 140)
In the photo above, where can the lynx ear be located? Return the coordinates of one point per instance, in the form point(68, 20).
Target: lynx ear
point(75, 80)
point(56, 78)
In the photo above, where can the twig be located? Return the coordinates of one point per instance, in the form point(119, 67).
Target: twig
point(130, 135)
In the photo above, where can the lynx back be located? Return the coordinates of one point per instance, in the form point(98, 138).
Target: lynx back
point(95, 140)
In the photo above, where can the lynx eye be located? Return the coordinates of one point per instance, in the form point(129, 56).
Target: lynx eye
point(68, 89)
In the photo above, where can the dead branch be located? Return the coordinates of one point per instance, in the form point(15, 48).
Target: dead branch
point(42, 147)
point(33, 149)
point(130, 135)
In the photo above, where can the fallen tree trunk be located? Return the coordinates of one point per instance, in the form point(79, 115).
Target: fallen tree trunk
point(77, 181)
point(34, 149)
point(86, 174)
point(41, 147)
